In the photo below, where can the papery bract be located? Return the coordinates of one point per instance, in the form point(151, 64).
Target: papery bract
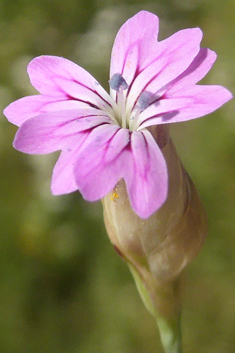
point(104, 138)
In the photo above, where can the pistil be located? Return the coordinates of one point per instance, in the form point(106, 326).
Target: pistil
point(121, 101)
point(118, 84)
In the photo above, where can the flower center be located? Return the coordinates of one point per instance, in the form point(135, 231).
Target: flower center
point(129, 120)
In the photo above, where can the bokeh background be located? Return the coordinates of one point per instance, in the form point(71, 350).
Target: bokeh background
point(62, 286)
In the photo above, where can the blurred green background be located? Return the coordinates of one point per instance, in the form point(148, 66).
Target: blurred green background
point(62, 286)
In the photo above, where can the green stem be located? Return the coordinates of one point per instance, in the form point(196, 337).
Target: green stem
point(170, 333)
point(169, 325)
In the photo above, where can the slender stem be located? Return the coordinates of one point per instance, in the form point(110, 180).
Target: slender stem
point(170, 333)
point(169, 325)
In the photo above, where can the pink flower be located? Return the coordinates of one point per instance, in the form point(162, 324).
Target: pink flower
point(104, 138)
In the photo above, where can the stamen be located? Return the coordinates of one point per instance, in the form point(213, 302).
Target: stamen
point(118, 84)
point(134, 118)
point(117, 81)
point(145, 99)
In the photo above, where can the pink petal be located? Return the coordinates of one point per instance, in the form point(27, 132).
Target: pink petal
point(154, 114)
point(174, 55)
point(206, 99)
point(189, 104)
point(147, 184)
point(59, 77)
point(134, 45)
point(52, 131)
point(28, 107)
point(102, 161)
point(63, 178)
point(200, 66)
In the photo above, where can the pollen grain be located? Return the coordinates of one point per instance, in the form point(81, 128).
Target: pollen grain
point(114, 196)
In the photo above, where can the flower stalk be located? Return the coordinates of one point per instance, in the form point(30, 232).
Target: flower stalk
point(169, 326)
